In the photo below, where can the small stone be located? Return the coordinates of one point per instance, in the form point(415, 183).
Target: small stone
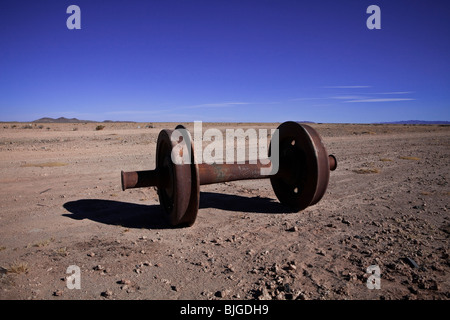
point(275, 268)
point(263, 294)
point(131, 289)
point(250, 252)
point(434, 285)
point(291, 266)
point(91, 254)
point(229, 268)
point(58, 293)
point(413, 290)
point(99, 268)
point(411, 262)
point(106, 294)
point(124, 281)
point(292, 229)
point(222, 293)
point(300, 296)
point(345, 221)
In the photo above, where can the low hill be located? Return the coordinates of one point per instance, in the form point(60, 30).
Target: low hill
point(417, 122)
point(71, 120)
point(60, 120)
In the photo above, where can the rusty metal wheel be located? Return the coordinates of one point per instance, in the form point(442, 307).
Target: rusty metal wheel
point(179, 190)
point(304, 167)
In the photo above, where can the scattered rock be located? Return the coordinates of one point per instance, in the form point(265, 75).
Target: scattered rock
point(222, 293)
point(58, 293)
point(106, 294)
point(275, 268)
point(413, 290)
point(411, 262)
point(349, 276)
point(446, 229)
point(292, 229)
point(420, 207)
point(262, 294)
point(229, 268)
point(290, 266)
point(124, 281)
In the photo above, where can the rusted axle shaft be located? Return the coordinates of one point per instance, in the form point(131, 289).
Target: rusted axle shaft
point(209, 174)
point(301, 179)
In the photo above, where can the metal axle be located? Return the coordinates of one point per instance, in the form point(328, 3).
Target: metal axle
point(301, 180)
point(209, 174)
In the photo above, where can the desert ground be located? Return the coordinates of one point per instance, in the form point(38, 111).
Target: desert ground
point(387, 204)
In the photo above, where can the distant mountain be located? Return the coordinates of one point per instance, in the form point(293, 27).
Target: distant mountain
point(118, 121)
point(60, 120)
point(72, 120)
point(417, 122)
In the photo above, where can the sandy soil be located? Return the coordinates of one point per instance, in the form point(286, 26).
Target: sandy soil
point(387, 204)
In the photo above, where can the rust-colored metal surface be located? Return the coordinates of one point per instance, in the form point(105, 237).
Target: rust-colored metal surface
point(216, 173)
point(301, 180)
point(140, 179)
point(304, 168)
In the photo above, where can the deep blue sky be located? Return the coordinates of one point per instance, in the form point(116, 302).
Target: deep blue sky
point(225, 60)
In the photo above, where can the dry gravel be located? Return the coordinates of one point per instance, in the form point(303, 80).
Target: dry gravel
point(387, 204)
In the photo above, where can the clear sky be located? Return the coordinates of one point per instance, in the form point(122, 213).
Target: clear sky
point(225, 60)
